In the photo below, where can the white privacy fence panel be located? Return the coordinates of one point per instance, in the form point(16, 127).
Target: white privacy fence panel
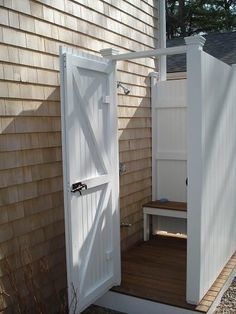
point(169, 156)
point(211, 169)
point(219, 167)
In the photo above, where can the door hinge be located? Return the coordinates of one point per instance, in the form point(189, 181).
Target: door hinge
point(64, 60)
point(106, 99)
point(109, 255)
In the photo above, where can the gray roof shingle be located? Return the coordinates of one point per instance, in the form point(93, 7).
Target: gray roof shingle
point(220, 45)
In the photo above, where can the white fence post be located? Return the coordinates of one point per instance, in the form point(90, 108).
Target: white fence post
point(154, 79)
point(162, 39)
point(194, 165)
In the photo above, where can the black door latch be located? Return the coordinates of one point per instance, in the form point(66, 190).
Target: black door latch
point(78, 187)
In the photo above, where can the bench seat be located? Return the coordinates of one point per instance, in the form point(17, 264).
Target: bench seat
point(167, 209)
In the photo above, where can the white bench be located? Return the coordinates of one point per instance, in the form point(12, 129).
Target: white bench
point(167, 209)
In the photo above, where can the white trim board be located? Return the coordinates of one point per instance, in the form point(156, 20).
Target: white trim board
point(132, 305)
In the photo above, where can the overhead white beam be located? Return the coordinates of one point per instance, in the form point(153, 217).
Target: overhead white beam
point(149, 53)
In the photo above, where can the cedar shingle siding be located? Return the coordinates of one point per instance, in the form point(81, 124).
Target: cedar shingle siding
point(31, 198)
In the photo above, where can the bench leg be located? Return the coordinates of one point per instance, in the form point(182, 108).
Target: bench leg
point(146, 227)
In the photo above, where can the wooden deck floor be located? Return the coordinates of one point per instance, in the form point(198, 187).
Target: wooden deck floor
point(156, 270)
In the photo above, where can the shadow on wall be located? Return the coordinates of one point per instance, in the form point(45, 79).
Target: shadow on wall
point(32, 245)
point(134, 124)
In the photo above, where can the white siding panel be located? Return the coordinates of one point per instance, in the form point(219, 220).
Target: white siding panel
point(211, 170)
point(219, 168)
point(171, 129)
point(171, 176)
point(171, 94)
point(169, 140)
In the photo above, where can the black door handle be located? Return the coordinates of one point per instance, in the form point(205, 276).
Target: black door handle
point(78, 187)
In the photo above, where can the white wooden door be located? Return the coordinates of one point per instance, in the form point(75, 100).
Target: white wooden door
point(90, 160)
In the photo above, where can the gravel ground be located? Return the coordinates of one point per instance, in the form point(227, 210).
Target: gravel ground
point(228, 301)
point(226, 306)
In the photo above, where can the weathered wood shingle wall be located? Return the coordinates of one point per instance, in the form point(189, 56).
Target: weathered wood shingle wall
point(31, 199)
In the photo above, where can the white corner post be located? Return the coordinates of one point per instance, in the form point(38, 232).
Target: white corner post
point(162, 38)
point(194, 167)
point(154, 79)
point(108, 53)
